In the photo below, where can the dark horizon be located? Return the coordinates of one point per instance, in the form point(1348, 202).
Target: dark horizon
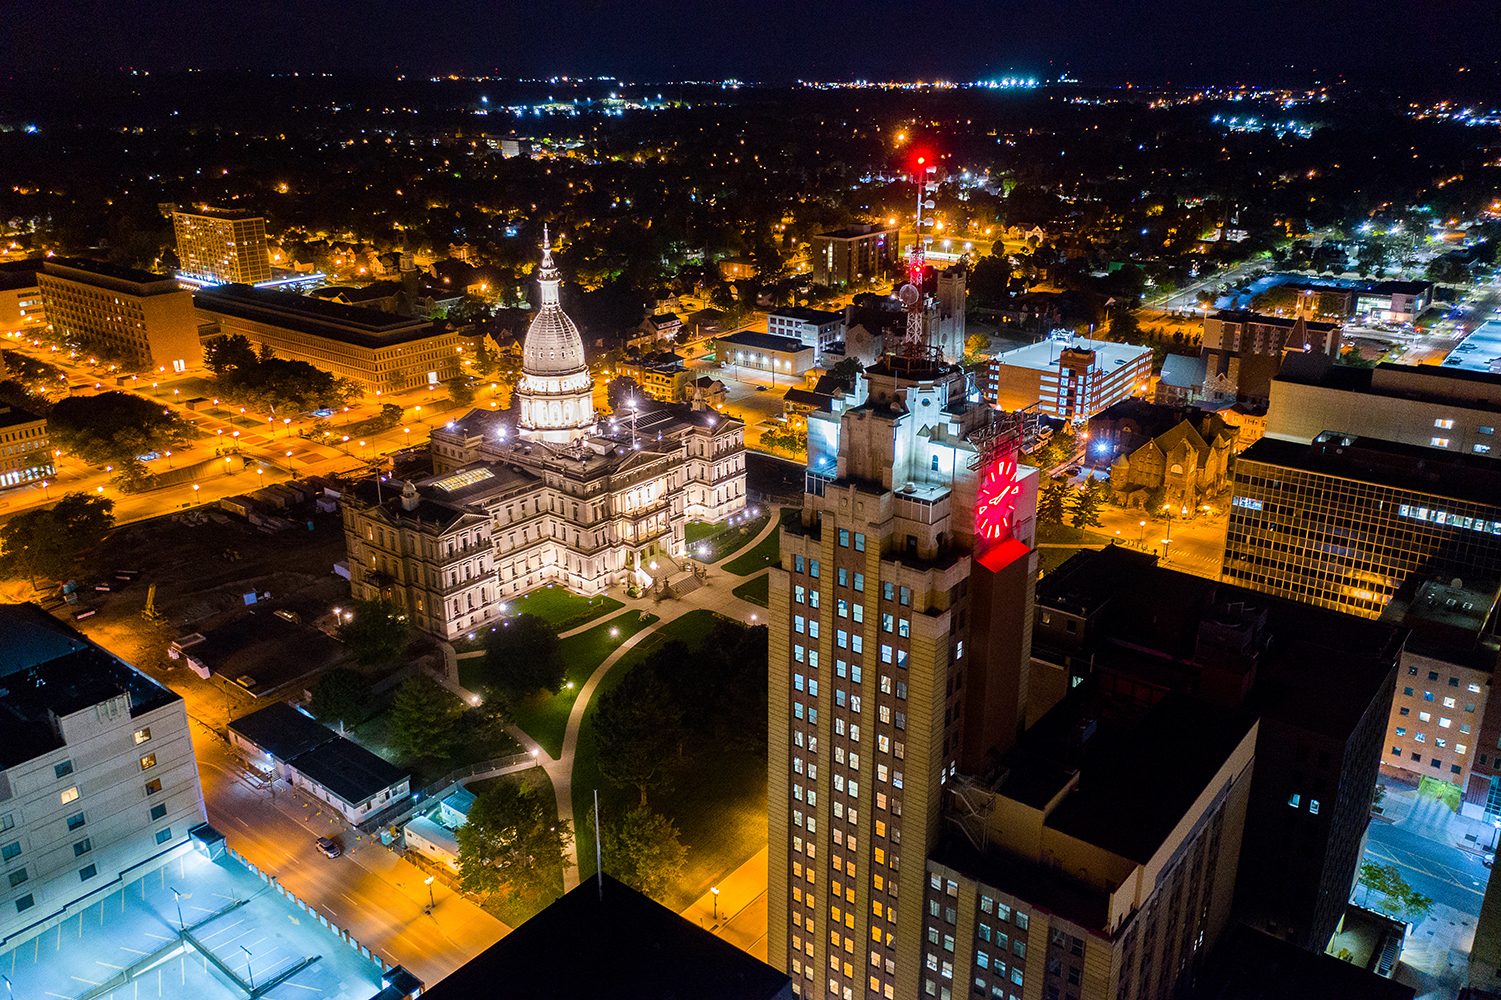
point(1397, 46)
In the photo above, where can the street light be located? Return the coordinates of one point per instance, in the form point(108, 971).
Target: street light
point(177, 898)
point(430, 902)
point(249, 973)
point(195, 493)
point(715, 890)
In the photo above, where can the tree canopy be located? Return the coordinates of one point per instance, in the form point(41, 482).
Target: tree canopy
point(375, 632)
point(47, 541)
point(343, 696)
point(638, 727)
point(259, 379)
point(114, 427)
point(522, 657)
point(422, 718)
point(644, 852)
point(510, 841)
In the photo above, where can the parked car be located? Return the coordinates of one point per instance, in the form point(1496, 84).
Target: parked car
point(330, 848)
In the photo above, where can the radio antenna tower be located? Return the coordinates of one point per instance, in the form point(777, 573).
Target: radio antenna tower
point(914, 343)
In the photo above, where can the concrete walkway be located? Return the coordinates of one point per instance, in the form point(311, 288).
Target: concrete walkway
point(715, 595)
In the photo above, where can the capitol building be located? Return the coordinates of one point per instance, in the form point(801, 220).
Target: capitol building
point(548, 493)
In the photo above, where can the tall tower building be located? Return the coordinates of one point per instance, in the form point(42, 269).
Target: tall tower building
point(555, 392)
point(900, 628)
point(222, 246)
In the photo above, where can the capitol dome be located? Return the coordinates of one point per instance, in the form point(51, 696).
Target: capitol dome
point(555, 395)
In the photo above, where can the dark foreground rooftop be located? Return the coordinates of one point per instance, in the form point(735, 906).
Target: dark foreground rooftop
point(612, 941)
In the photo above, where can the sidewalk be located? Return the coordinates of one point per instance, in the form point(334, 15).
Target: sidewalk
point(740, 914)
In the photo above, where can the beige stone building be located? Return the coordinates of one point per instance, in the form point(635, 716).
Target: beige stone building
point(378, 350)
point(144, 319)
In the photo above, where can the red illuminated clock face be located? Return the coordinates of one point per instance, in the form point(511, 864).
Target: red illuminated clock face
point(996, 504)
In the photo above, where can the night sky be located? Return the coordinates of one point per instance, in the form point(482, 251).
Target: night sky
point(1418, 42)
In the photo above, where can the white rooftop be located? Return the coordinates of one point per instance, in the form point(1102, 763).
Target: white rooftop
point(1044, 354)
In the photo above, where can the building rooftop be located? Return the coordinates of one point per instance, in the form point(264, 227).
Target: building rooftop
point(764, 342)
point(316, 317)
point(604, 939)
point(12, 416)
point(60, 266)
point(1475, 388)
point(1251, 965)
point(1451, 618)
point(282, 731)
point(19, 273)
point(818, 317)
point(855, 232)
point(1248, 316)
point(49, 670)
point(1128, 809)
point(261, 651)
point(229, 214)
point(1184, 372)
point(348, 770)
point(1044, 354)
point(1435, 472)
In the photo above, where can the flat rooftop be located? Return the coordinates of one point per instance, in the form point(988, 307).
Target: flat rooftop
point(261, 651)
point(1434, 472)
point(48, 669)
point(818, 317)
point(764, 342)
point(61, 266)
point(1044, 355)
point(1479, 352)
point(612, 941)
point(348, 770)
point(282, 731)
point(12, 416)
point(134, 929)
point(316, 317)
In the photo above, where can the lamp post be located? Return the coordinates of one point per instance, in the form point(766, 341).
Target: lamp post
point(177, 898)
point(249, 973)
point(714, 889)
point(430, 902)
point(1142, 538)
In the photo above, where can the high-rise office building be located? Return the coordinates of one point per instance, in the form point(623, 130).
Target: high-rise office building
point(899, 629)
point(854, 254)
point(1344, 521)
point(98, 778)
point(222, 246)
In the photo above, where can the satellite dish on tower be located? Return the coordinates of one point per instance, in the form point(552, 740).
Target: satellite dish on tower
point(909, 295)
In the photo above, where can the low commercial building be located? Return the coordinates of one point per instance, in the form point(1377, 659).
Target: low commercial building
point(25, 451)
point(854, 254)
point(434, 834)
point(814, 327)
point(1243, 351)
point(98, 778)
point(1426, 406)
point(1183, 451)
point(145, 320)
point(1394, 301)
point(1069, 379)
point(379, 350)
point(661, 376)
point(310, 756)
point(787, 357)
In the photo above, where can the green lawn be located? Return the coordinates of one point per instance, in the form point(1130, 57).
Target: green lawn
point(766, 552)
point(718, 802)
point(375, 735)
point(544, 717)
point(723, 538)
point(755, 591)
point(561, 608)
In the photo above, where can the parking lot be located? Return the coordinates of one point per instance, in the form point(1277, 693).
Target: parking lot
point(239, 930)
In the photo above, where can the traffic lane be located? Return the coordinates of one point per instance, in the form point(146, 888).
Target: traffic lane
point(1446, 874)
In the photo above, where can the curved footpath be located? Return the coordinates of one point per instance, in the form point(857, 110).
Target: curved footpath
point(715, 595)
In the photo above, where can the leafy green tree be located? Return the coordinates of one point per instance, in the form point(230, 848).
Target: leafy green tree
point(620, 390)
point(1085, 510)
point(638, 730)
point(461, 391)
point(510, 841)
point(47, 541)
point(114, 427)
point(343, 696)
point(1052, 505)
point(376, 632)
point(422, 718)
point(644, 852)
point(1156, 499)
point(975, 347)
point(847, 370)
point(229, 353)
point(523, 657)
